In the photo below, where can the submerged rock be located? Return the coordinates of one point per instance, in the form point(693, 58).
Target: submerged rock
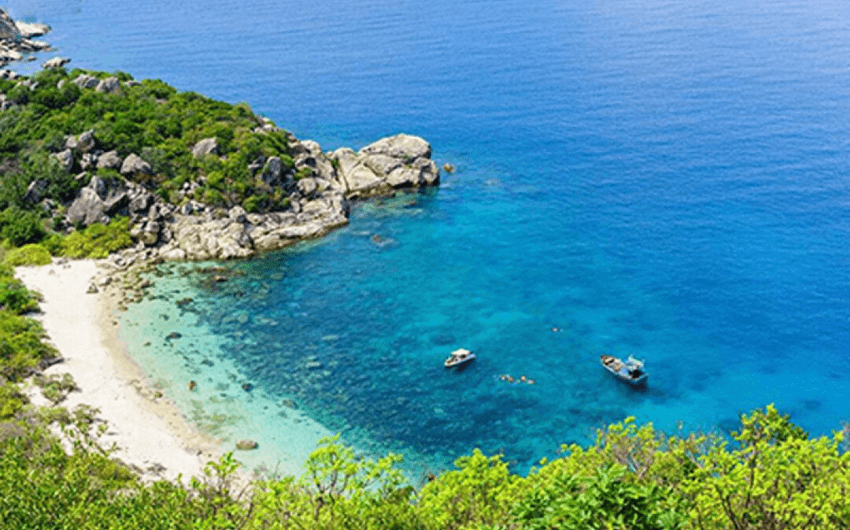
point(246, 445)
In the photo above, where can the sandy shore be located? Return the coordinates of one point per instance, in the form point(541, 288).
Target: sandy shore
point(149, 431)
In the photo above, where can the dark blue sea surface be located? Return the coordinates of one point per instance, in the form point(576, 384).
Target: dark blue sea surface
point(655, 178)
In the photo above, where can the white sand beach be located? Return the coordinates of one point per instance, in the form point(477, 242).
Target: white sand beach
point(150, 432)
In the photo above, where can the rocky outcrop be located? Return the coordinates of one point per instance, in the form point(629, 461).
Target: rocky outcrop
point(110, 85)
point(206, 146)
point(86, 81)
point(15, 39)
point(55, 62)
point(8, 29)
point(318, 186)
point(103, 199)
point(134, 165)
point(109, 160)
point(29, 30)
point(400, 161)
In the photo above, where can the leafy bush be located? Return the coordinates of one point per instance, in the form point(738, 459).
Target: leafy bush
point(21, 346)
point(32, 254)
point(98, 240)
point(56, 387)
point(20, 227)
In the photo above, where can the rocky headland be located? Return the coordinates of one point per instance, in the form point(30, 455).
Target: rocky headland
point(16, 39)
point(319, 187)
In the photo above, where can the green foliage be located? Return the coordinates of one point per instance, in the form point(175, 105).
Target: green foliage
point(478, 492)
point(151, 119)
point(304, 172)
point(97, 240)
point(32, 254)
point(21, 347)
point(337, 491)
point(20, 227)
point(16, 298)
point(56, 387)
point(776, 478)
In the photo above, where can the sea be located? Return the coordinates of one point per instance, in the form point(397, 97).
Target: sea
point(655, 178)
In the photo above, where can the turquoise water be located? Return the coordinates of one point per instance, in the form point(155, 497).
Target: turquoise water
point(648, 177)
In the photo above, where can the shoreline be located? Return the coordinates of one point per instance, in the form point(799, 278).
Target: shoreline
point(149, 431)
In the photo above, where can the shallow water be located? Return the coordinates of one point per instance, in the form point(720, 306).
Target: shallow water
point(653, 178)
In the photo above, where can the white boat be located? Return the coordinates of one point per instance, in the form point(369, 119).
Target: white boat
point(630, 371)
point(459, 357)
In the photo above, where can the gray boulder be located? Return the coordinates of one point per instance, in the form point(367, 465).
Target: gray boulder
point(134, 164)
point(397, 162)
point(140, 201)
point(237, 214)
point(98, 202)
point(109, 160)
point(403, 146)
point(55, 62)
point(87, 208)
point(83, 143)
point(99, 186)
point(148, 233)
point(205, 147)
point(110, 85)
point(354, 176)
point(272, 171)
point(88, 161)
point(86, 141)
point(7, 55)
point(29, 30)
point(66, 158)
point(8, 29)
point(35, 191)
point(86, 81)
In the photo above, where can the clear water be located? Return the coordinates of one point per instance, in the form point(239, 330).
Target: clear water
point(656, 178)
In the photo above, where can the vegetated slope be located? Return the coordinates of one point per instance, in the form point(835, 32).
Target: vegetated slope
point(44, 115)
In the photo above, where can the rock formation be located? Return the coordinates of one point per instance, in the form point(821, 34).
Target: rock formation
point(16, 39)
point(319, 189)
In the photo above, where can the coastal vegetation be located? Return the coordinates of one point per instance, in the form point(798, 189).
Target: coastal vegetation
point(45, 114)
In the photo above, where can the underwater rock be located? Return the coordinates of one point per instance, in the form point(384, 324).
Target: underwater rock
point(289, 403)
point(184, 302)
point(173, 335)
point(246, 445)
point(247, 387)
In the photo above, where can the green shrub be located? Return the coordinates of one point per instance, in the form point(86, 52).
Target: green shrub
point(20, 227)
point(98, 240)
point(304, 172)
point(21, 346)
point(56, 387)
point(252, 204)
point(32, 254)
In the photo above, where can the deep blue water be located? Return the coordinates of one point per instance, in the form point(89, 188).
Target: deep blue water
point(660, 178)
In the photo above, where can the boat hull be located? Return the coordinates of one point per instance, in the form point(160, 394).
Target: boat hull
point(623, 371)
point(452, 363)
